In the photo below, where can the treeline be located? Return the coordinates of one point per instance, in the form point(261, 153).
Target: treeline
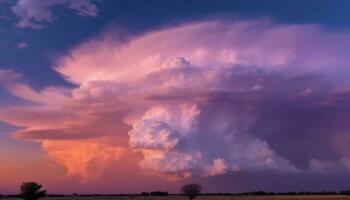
point(162, 193)
point(155, 193)
point(261, 193)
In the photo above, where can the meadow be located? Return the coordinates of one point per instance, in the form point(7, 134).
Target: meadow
point(228, 197)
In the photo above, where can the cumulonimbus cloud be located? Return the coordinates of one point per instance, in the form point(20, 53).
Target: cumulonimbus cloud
point(188, 98)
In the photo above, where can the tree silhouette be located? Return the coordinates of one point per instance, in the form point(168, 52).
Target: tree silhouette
point(191, 190)
point(31, 191)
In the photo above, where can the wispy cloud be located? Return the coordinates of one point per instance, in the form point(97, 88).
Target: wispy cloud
point(33, 13)
point(3, 17)
point(7, 75)
point(22, 45)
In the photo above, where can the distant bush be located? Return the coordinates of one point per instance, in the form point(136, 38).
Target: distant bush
point(259, 193)
point(347, 192)
point(144, 193)
point(159, 193)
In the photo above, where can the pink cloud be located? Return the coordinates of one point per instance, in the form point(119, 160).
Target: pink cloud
point(84, 158)
point(186, 98)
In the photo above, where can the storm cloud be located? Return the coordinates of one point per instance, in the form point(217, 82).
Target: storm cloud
point(198, 100)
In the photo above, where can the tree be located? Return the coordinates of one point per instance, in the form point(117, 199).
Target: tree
point(191, 190)
point(32, 191)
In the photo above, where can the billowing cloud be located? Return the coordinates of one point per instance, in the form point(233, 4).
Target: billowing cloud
point(85, 159)
point(168, 138)
point(32, 13)
point(219, 167)
point(201, 99)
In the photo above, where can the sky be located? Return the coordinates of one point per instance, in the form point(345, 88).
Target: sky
point(125, 96)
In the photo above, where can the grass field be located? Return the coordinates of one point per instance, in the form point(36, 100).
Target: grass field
point(275, 197)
